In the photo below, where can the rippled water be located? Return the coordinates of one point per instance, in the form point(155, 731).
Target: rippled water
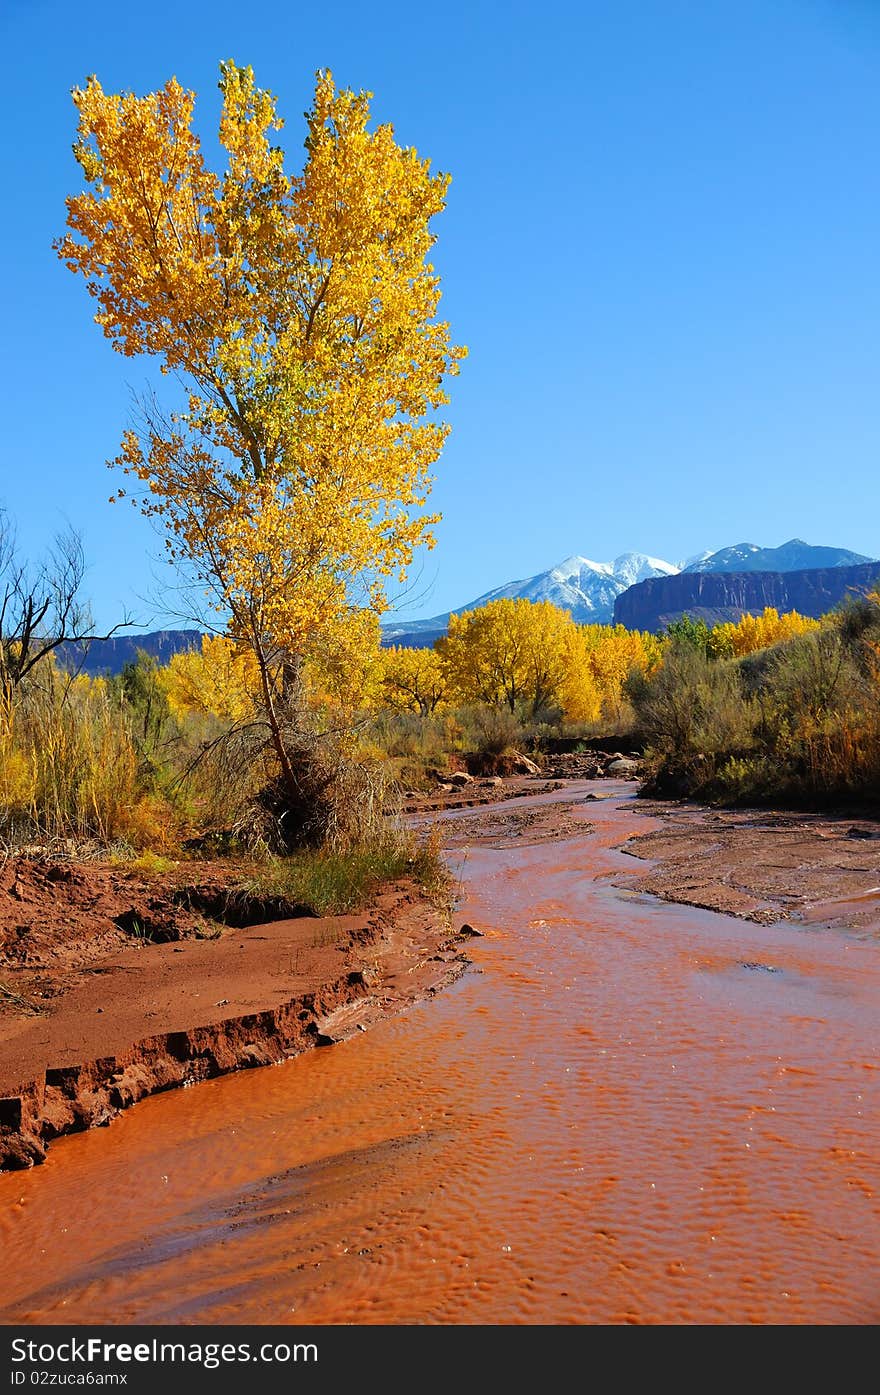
point(635, 1112)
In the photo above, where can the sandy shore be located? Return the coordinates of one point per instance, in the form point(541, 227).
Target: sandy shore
point(116, 984)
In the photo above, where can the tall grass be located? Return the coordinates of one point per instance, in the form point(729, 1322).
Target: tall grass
point(70, 767)
point(105, 764)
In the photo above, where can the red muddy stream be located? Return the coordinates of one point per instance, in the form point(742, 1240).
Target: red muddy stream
point(636, 1111)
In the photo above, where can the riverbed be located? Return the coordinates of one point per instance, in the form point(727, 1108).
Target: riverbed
point(626, 1111)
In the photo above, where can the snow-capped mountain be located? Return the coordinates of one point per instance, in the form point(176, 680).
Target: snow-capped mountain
point(631, 567)
point(793, 556)
point(588, 589)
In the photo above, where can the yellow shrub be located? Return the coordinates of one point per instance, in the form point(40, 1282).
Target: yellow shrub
point(753, 632)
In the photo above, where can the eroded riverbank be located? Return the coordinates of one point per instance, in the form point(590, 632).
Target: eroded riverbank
point(153, 1017)
point(638, 1111)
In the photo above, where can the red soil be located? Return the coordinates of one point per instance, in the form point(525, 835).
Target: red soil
point(94, 1014)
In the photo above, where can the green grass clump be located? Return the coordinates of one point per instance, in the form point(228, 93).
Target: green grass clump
point(334, 883)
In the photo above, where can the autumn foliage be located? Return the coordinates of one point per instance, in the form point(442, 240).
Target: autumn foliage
point(410, 680)
point(299, 310)
point(532, 657)
point(220, 679)
point(516, 653)
point(753, 632)
point(122, 760)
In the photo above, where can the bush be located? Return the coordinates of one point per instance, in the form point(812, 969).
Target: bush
point(799, 720)
point(492, 732)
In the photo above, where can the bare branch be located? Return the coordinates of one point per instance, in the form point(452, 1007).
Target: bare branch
point(40, 605)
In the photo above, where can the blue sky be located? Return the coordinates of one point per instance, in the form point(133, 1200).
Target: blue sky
point(661, 247)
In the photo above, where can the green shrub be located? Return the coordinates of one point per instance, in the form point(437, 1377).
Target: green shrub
point(799, 721)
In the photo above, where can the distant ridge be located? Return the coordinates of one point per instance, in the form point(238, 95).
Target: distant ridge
point(595, 593)
point(111, 655)
point(719, 596)
point(590, 590)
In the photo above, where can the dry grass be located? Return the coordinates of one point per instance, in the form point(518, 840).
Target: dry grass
point(70, 768)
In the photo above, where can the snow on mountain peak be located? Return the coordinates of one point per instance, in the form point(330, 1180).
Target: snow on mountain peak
point(693, 564)
point(574, 565)
point(631, 567)
point(795, 555)
point(586, 588)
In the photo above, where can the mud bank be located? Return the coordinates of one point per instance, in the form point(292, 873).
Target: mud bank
point(254, 997)
point(493, 790)
point(761, 865)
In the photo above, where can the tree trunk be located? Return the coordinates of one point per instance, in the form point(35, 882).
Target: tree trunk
point(273, 720)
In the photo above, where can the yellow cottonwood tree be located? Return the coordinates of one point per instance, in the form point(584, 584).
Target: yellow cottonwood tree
point(343, 666)
point(519, 653)
point(221, 679)
point(578, 693)
point(613, 653)
point(411, 680)
point(299, 311)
